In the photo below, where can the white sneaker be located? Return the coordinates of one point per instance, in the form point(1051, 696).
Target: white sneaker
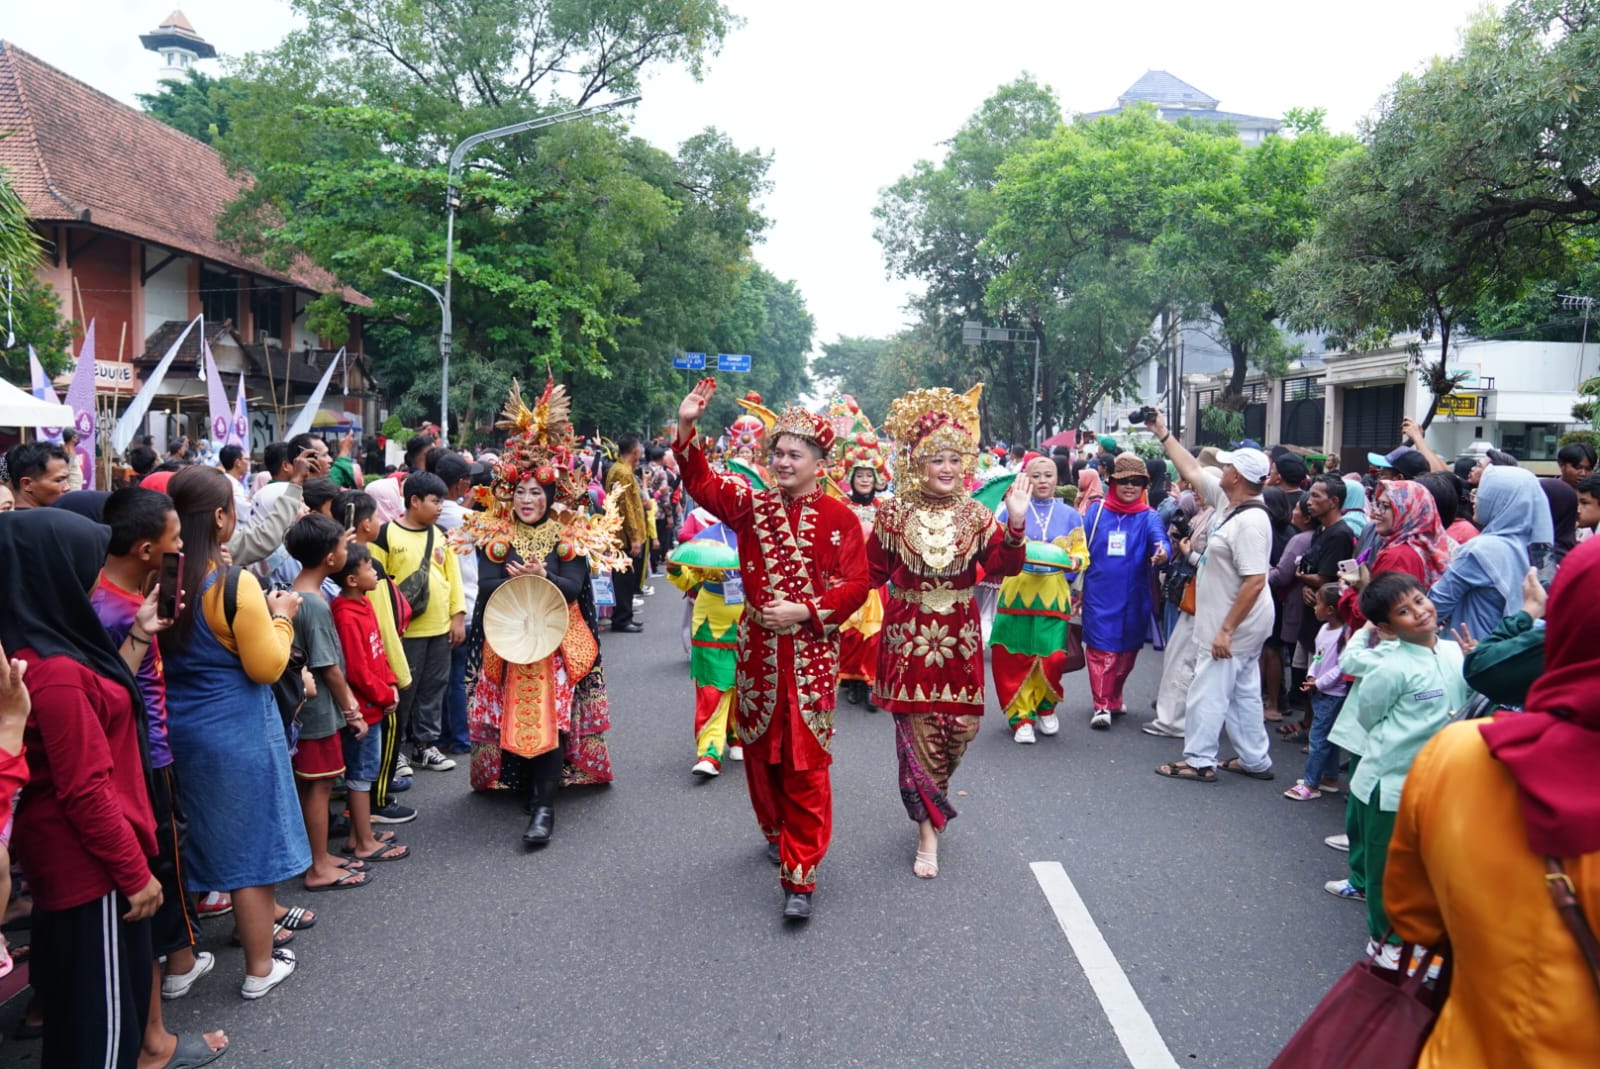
point(736, 753)
point(402, 767)
point(283, 964)
point(1101, 720)
point(1340, 843)
point(177, 985)
point(1025, 735)
point(1048, 724)
point(706, 767)
point(430, 758)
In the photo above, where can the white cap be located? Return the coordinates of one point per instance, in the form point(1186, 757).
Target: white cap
point(1250, 463)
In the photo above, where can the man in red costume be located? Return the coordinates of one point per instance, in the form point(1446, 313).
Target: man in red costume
point(804, 567)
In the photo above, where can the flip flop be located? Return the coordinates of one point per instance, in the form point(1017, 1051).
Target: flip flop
point(1233, 765)
point(348, 881)
point(193, 1051)
point(282, 936)
point(390, 851)
point(1185, 771)
point(298, 919)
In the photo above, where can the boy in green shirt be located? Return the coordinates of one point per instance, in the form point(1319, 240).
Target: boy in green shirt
point(1409, 688)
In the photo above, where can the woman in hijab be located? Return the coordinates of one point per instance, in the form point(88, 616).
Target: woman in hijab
point(1126, 541)
point(1090, 488)
point(1157, 467)
point(1492, 810)
point(1486, 575)
point(1355, 506)
point(84, 825)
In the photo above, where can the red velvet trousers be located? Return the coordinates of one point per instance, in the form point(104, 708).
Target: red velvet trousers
point(795, 810)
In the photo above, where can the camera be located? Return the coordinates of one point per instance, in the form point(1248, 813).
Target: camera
point(1181, 527)
point(1142, 416)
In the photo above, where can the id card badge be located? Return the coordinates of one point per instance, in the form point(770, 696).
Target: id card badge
point(603, 594)
point(733, 590)
point(1117, 544)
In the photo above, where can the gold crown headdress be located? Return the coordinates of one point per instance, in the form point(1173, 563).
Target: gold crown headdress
point(925, 422)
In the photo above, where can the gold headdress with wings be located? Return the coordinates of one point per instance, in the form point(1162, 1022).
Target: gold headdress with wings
point(927, 421)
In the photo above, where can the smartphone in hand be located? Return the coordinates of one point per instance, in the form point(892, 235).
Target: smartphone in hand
point(169, 586)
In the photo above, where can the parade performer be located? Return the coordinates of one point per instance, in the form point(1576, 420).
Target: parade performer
point(1126, 540)
point(536, 726)
point(1028, 647)
point(928, 544)
point(804, 570)
point(747, 439)
point(863, 473)
point(706, 569)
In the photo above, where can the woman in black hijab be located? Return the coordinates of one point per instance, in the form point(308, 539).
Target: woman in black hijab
point(84, 826)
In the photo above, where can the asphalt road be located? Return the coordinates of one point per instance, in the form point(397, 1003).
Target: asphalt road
point(648, 933)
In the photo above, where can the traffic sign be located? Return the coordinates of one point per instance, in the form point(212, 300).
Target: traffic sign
point(733, 362)
point(689, 362)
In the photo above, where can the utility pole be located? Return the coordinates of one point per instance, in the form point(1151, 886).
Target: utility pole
point(974, 333)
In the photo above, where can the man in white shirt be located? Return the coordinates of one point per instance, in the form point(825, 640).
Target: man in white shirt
point(235, 464)
point(1233, 615)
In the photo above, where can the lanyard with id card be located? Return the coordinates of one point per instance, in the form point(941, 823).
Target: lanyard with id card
point(603, 592)
point(1116, 544)
point(733, 590)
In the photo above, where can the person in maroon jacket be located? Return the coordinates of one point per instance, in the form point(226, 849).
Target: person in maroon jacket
point(84, 827)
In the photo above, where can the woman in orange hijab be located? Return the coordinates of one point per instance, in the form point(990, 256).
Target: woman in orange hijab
point(1486, 804)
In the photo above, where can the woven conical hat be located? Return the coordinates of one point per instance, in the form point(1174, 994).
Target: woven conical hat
point(526, 619)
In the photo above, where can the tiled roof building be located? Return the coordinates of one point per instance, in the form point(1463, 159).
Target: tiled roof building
point(128, 208)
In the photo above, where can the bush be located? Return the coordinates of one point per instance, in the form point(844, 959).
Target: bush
point(1592, 438)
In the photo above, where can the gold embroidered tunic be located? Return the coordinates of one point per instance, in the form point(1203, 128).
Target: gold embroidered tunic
point(931, 550)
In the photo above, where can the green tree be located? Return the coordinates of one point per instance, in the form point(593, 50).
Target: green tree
point(33, 308)
point(1475, 175)
point(932, 223)
point(197, 104)
point(578, 248)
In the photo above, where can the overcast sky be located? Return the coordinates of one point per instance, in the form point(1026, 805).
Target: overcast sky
point(849, 95)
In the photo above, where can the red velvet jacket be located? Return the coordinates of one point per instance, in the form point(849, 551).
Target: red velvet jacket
point(806, 550)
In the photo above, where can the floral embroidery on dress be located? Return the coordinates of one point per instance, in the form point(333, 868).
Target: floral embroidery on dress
point(934, 644)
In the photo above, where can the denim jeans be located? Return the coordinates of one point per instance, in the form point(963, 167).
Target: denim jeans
point(1322, 764)
point(454, 735)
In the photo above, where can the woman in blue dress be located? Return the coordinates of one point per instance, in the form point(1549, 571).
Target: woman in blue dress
point(1126, 541)
point(228, 744)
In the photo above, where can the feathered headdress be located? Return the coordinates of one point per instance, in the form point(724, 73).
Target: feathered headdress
point(925, 422)
point(542, 445)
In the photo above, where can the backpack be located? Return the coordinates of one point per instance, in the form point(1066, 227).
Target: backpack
point(289, 690)
point(414, 587)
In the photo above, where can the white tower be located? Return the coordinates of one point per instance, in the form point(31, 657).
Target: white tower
point(178, 45)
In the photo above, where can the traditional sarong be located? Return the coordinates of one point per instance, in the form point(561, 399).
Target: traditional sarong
point(1107, 673)
point(930, 746)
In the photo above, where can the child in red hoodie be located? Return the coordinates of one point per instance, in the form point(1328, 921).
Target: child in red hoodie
point(372, 681)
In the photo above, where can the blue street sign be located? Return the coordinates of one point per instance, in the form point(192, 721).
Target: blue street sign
point(732, 362)
point(689, 362)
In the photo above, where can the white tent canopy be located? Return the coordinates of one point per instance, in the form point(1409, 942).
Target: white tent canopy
point(20, 409)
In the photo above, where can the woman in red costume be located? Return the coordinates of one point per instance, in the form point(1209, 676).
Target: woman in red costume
point(928, 544)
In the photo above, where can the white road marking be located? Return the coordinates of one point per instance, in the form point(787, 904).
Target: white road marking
point(1140, 1039)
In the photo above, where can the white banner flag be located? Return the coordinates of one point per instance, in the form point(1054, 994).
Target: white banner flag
point(128, 426)
point(302, 422)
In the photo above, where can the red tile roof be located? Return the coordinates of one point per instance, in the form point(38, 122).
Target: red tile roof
point(75, 155)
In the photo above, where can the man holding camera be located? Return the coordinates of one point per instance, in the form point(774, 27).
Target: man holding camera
point(1233, 614)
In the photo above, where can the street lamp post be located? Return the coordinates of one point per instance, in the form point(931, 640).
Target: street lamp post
point(974, 333)
point(452, 200)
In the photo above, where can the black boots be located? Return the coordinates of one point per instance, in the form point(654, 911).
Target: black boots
point(542, 805)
